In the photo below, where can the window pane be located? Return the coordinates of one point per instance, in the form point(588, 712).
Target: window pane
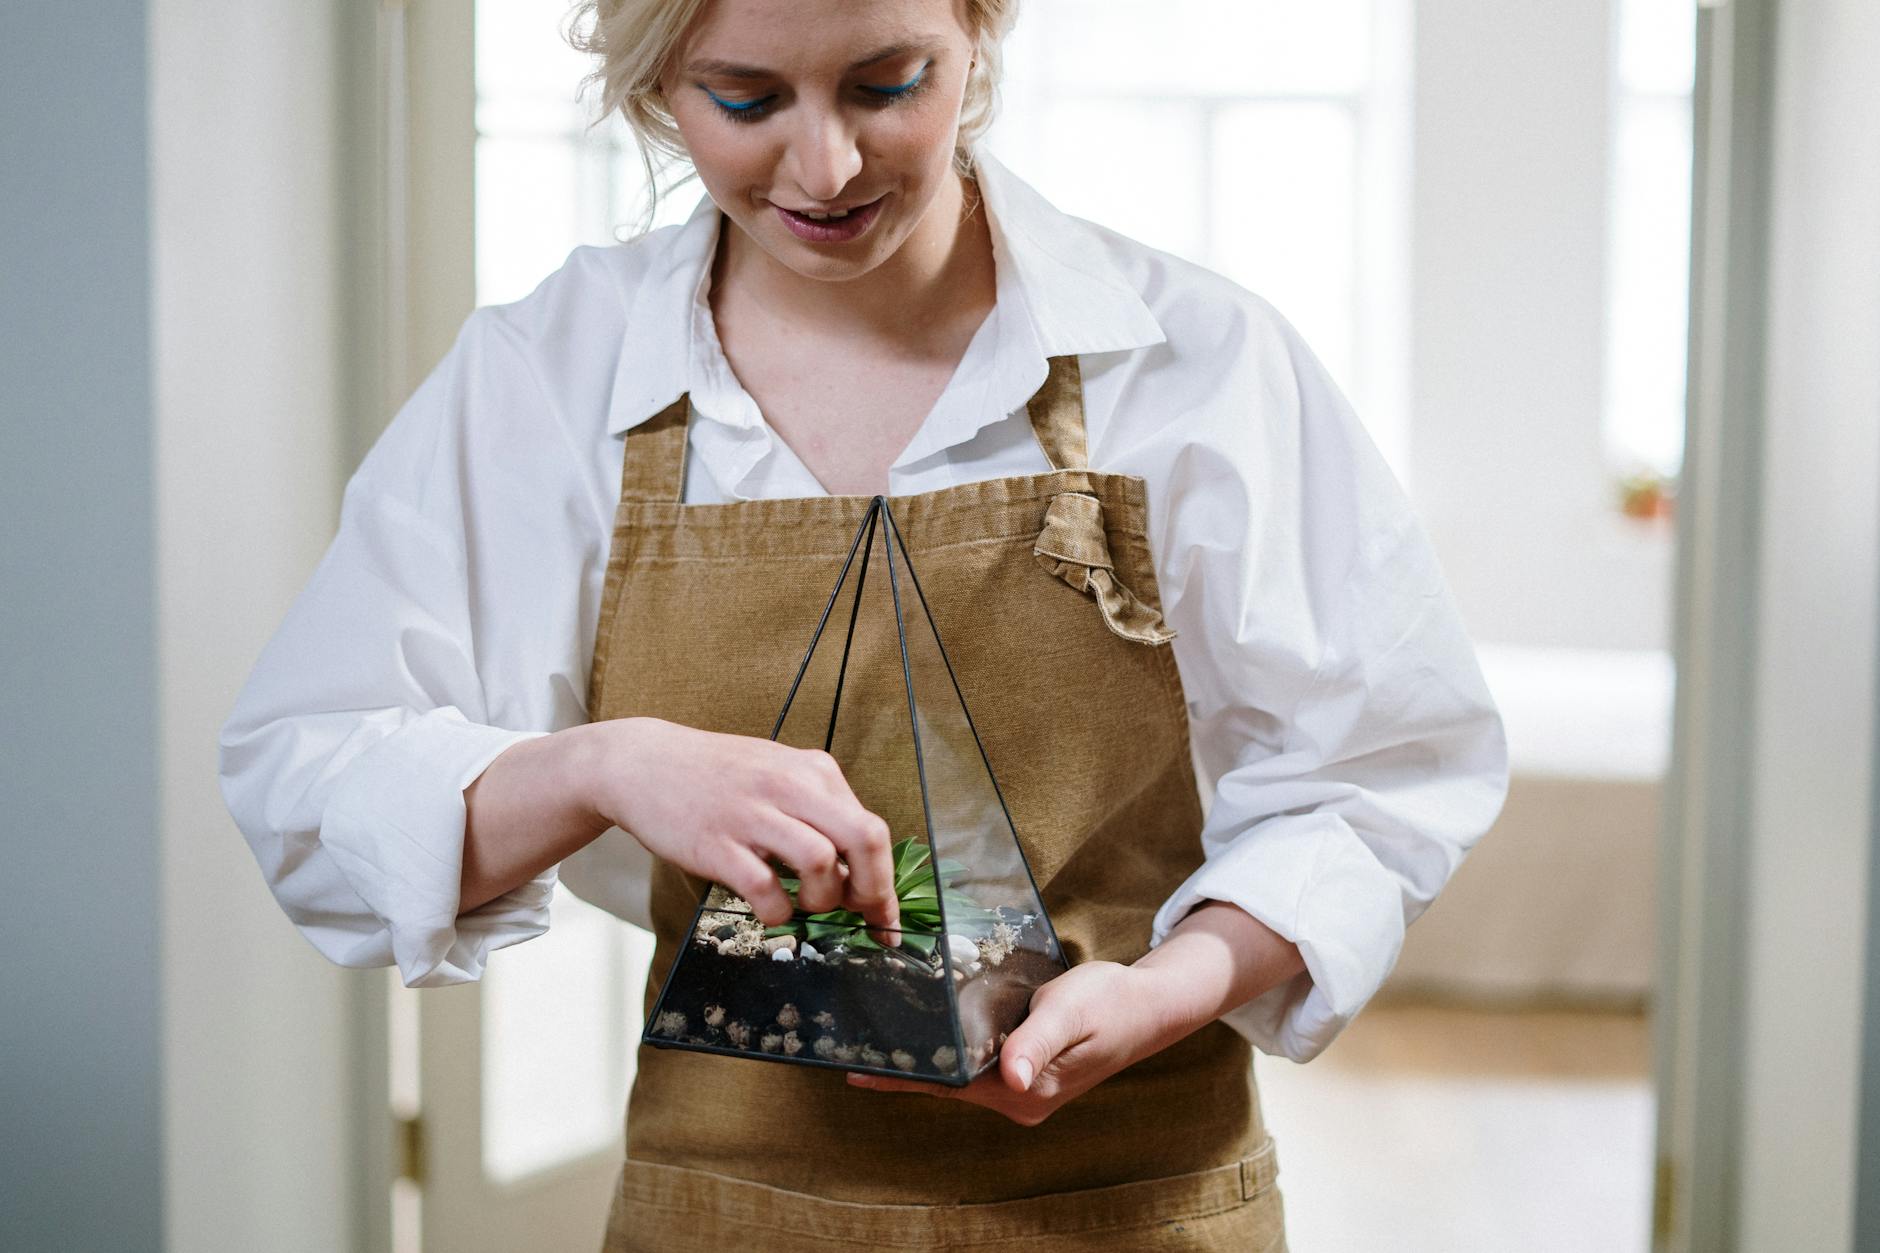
point(1139, 168)
point(1284, 209)
point(527, 215)
point(1648, 285)
point(1203, 47)
point(520, 51)
point(560, 1018)
point(1657, 45)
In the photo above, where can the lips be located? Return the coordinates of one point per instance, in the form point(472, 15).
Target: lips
point(830, 230)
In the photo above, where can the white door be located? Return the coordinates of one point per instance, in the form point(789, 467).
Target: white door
point(510, 1092)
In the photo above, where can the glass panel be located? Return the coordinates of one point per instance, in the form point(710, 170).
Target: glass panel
point(556, 1062)
point(975, 941)
point(1657, 45)
point(527, 217)
point(1285, 208)
point(521, 50)
point(1204, 47)
point(545, 180)
point(1648, 272)
point(1078, 143)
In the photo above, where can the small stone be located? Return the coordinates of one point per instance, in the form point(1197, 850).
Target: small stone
point(824, 1047)
point(714, 1015)
point(728, 948)
point(961, 949)
point(809, 952)
point(670, 1023)
point(825, 1019)
point(858, 961)
point(740, 1033)
point(902, 1059)
point(845, 1052)
point(792, 1043)
point(781, 955)
point(784, 944)
point(874, 1056)
point(771, 1042)
point(789, 1017)
point(724, 933)
point(945, 1058)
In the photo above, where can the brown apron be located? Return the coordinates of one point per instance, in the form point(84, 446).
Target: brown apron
point(1044, 594)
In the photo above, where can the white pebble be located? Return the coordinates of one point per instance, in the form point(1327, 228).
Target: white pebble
point(809, 952)
point(963, 951)
point(780, 955)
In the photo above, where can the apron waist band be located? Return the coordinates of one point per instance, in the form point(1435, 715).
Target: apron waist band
point(778, 1212)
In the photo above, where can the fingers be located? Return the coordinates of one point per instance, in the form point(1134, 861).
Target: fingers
point(1051, 1029)
point(813, 858)
point(862, 839)
point(751, 877)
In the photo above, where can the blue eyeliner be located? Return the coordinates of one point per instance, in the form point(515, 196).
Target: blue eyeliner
point(909, 85)
point(750, 110)
point(731, 106)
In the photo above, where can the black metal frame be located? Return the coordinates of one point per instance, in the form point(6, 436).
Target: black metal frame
point(879, 513)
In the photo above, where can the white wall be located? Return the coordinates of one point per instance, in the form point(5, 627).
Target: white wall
point(1509, 210)
point(1808, 857)
point(249, 123)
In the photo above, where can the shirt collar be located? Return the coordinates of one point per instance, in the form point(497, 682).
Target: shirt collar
point(1057, 293)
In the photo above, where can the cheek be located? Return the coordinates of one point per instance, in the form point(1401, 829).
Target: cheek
point(725, 158)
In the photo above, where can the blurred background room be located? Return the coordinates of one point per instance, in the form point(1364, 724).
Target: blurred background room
point(1603, 280)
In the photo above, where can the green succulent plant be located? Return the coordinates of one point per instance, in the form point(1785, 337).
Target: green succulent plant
point(920, 891)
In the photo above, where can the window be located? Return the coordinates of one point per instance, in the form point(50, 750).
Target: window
point(1264, 139)
point(1648, 260)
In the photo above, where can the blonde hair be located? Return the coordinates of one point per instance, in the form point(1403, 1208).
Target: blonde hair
point(635, 40)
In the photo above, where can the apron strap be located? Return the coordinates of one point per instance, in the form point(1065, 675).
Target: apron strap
point(1057, 415)
point(653, 470)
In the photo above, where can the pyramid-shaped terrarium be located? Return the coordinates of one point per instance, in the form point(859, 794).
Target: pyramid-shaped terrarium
point(877, 691)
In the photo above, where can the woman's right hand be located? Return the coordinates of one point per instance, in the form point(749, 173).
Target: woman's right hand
point(721, 806)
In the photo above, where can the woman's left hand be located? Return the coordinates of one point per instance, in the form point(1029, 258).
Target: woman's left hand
point(1084, 1026)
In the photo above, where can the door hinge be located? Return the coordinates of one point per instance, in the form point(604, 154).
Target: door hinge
point(408, 1136)
point(1664, 1177)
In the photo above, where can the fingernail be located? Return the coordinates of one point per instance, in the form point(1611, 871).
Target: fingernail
point(1023, 1070)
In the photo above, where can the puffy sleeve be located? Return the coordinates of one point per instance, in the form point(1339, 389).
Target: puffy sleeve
point(1335, 697)
point(444, 623)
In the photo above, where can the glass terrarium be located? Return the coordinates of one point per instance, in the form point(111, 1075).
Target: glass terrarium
point(877, 691)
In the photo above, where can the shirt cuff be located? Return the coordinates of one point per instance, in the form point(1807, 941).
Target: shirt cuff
point(1311, 879)
point(394, 826)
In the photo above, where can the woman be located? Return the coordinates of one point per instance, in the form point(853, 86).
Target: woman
point(569, 574)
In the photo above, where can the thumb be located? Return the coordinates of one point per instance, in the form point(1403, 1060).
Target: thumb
point(1050, 1029)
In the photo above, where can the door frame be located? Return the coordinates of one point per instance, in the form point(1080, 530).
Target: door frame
point(1697, 1028)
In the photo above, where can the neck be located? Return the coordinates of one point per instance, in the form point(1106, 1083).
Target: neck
point(944, 269)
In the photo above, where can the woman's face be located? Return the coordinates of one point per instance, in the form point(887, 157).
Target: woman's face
point(788, 106)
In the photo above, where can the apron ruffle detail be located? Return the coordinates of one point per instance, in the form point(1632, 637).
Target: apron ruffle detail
point(1075, 547)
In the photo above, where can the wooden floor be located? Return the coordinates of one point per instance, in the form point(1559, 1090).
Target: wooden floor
point(1458, 1131)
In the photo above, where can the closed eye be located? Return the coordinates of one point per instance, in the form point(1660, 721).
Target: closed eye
point(742, 110)
point(752, 110)
point(902, 89)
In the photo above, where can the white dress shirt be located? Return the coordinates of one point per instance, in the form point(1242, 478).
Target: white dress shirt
point(1343, 733)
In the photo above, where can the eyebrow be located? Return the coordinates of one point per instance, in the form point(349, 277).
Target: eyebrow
point(732, 69)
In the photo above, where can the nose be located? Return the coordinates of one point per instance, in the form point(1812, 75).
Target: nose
point(825, 155)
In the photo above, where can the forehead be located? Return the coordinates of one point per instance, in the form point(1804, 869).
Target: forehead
point(819, 36)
